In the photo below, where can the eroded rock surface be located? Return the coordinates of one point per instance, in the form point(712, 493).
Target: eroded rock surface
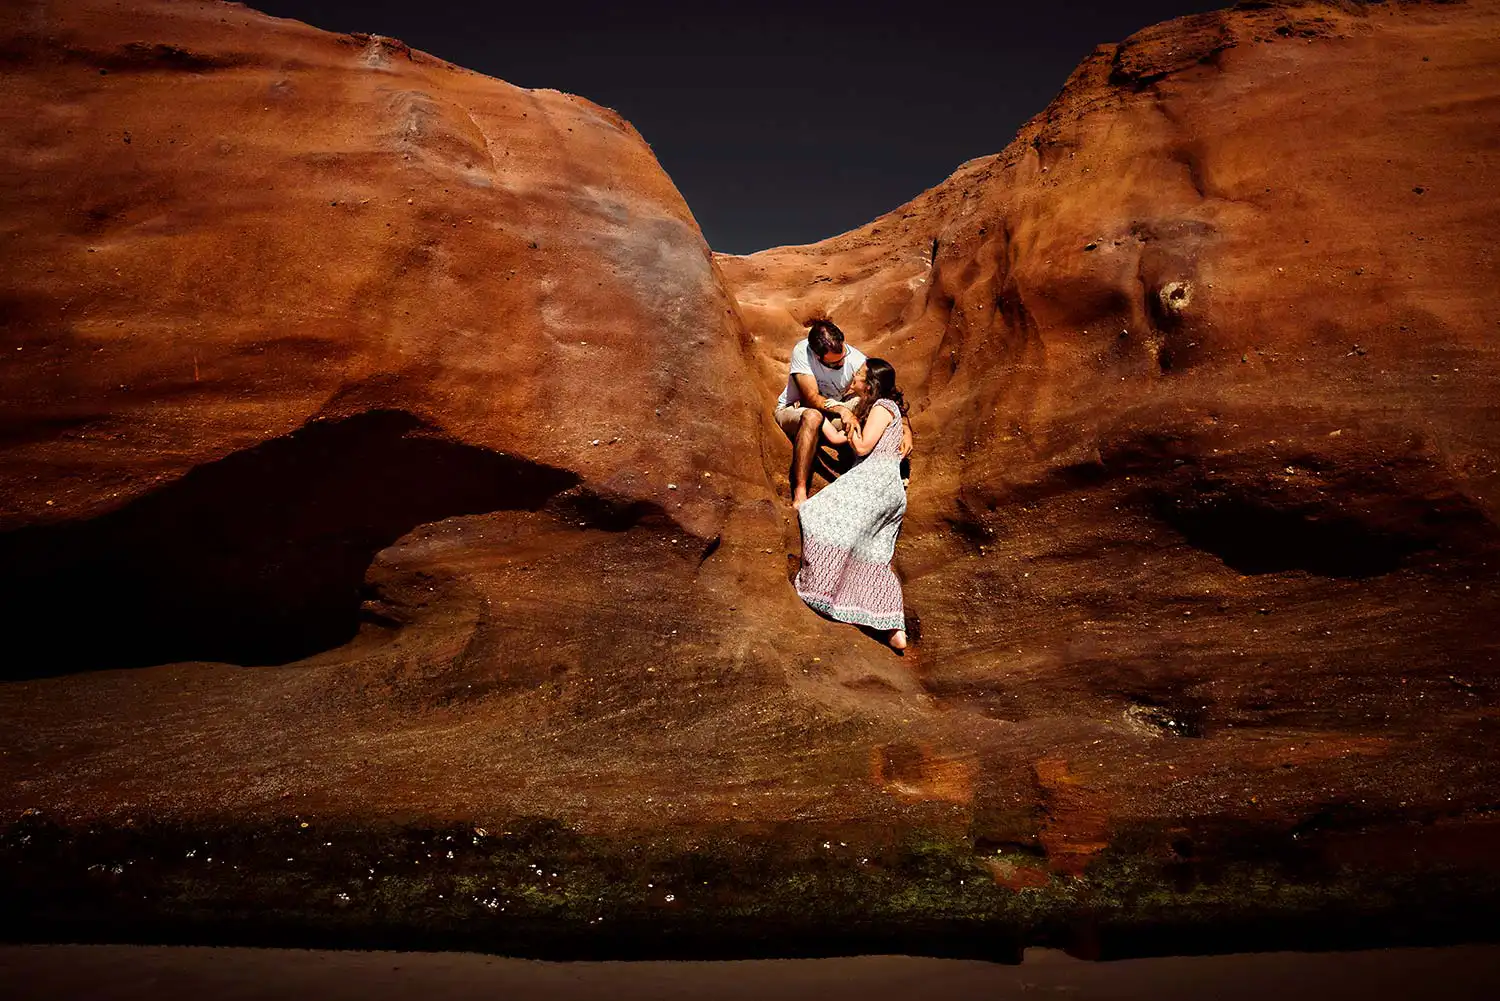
point(275, 297)
point(322, 352)
point(1204, 368)
point(403, 421)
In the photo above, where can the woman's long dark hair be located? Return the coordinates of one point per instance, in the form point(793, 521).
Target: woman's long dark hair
point(880, 382)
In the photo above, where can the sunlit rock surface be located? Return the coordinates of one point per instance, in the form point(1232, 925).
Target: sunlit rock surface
point(398, 432)
point(324, 352)
point(1204, 365)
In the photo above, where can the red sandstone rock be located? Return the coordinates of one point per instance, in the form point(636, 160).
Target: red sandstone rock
point(1203, 518)
point(225, 226)
point(1204, 371)
point(278, 296)
point(319, 349)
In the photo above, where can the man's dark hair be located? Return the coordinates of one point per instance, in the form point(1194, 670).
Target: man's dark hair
point(823, 336)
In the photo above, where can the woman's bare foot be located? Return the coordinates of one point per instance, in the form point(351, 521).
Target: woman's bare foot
point(898, 640)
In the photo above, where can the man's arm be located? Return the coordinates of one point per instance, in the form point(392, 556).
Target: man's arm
point(811, 398)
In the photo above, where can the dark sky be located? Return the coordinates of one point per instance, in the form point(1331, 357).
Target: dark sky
point(779, 122)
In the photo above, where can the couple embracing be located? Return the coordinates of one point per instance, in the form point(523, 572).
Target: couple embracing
point(836, 396)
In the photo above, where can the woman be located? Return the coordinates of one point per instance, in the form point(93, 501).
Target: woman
point(849, 528)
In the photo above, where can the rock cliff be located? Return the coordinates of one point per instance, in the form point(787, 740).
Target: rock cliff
point(1204, 367)
point(277, 297)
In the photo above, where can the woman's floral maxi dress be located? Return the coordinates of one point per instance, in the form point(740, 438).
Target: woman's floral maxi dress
point(849, 531)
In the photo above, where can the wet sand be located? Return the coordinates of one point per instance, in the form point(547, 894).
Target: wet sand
point(127, 973)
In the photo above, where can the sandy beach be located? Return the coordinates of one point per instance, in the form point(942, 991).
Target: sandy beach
point(129, 973)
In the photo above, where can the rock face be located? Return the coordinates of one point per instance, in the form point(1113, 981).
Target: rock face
point(321, 351)
point(421, 396)
point(276, 297)
point(1204, 364)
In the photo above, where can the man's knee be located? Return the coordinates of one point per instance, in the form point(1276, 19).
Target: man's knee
point(811, 423)
point(789, 419)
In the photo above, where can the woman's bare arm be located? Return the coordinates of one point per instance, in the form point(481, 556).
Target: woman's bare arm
point(863, 439)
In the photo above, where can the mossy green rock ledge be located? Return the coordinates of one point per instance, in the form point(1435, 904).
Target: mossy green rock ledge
point(542, 890)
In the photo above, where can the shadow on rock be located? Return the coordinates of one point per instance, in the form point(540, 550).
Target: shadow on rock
point(255, 559)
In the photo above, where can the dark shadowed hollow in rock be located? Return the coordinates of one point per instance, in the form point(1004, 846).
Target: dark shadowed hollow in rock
point(1255, 538)
point(1371, 508)
point(255, 559)
point(1370, 527)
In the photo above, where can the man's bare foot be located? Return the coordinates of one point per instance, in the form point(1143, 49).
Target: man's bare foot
point(898, 640)
point(799, 497)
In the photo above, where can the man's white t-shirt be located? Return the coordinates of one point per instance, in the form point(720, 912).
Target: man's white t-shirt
point(831, 381)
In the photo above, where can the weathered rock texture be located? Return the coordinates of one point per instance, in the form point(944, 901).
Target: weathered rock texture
point(404, 421)
point(349, 289)
point(1205, 371)
point(321, 350)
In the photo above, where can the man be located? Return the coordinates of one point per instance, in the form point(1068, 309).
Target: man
point(821, 370)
